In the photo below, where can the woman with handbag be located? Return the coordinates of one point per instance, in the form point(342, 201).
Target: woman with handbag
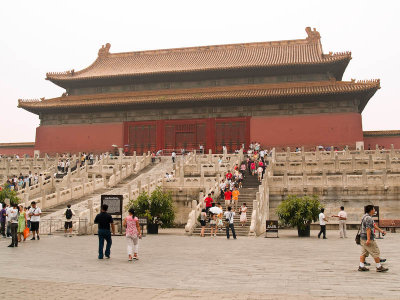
point(203, 218)
point(21, 223)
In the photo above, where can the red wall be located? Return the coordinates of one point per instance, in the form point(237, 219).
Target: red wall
point(79, 138)
point(17, 151)
point(385, 141)
point(309, 131)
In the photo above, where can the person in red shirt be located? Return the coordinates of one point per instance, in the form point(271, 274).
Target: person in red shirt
point(208, 202)
point(228, 197)
point(229, 175)
point(253, 168)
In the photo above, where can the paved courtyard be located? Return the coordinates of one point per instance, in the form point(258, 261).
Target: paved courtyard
point(174, 266)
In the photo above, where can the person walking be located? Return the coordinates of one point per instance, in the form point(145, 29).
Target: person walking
point(13, 217)
point(228, 198)
point(173, 156)
point(203, 217)
point(220, 224)
point(322, 224)
point(104, 221)
point(342, 215)
point(367, 240)
point(133, 234)
point(21, 223)
point(3, 216)
point(209, 201)
point(243, 214)
point(229, 216)
point(235, 198)
point(34, 214)
point(68, 213)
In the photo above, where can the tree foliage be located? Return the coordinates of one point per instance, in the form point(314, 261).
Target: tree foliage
point(7, 193)
point(157, 208)
point(297, 211)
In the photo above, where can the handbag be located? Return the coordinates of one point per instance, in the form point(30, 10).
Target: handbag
point(26, 232)
point(358, 235)
point(227, 220)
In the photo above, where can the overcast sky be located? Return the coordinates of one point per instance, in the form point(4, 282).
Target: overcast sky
point(48, 36)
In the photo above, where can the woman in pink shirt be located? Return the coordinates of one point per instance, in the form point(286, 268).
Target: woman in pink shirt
point(133, 234)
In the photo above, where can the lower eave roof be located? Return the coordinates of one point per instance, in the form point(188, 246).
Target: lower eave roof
point(198, 95)
point(380, 133)
point(17, 145)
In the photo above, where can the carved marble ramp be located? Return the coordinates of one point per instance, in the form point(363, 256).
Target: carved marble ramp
point(247, 195)
point(120, 188)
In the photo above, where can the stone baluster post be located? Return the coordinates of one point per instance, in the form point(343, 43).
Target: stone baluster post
point(148, 185)
point(58, 194)
point(388, 163)
point(285, 179)
point(384, 179)
point(324, 178)
point(332, 152)
point(305, 179)
point(201, 200)
point(129, 192)
point(181, 176)
point(139, 186)
point(344, 179)
point(337, 164)
point(364, 178)
point(353, 162)
point(370, 162)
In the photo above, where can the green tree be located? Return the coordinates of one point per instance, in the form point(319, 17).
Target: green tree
point(7, 193)
point(297, 211)
point(157, 208)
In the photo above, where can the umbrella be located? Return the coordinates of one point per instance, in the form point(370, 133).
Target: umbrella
point(215, 210)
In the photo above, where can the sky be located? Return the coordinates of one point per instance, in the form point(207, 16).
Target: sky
point(53, 36)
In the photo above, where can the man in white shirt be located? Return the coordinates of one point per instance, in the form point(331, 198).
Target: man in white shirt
point(342, 215)
point(35, 213)
point(173, 155)
point(229, 216)
point(8, 208)
point(322, 224)
point(13, 217)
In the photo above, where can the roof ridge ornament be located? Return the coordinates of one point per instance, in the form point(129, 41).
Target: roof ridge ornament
point(313, 35)
point(104, 50)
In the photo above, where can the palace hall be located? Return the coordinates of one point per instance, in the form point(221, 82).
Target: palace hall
point(279, 93)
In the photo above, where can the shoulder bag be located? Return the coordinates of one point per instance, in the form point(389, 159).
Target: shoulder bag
point(358, 235)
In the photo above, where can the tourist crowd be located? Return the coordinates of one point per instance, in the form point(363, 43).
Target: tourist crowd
point(17, 221)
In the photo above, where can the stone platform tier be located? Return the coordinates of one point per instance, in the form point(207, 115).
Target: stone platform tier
point(247, 195)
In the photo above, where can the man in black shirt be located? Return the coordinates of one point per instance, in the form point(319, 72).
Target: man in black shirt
point(103, 219)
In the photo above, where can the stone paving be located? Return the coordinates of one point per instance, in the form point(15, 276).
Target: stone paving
point(175, 266)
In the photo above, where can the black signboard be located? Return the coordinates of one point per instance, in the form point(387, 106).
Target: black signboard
point(142, 223)
point(114, 203)
point(271, 226)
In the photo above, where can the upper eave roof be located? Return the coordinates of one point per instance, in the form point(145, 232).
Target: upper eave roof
point(198, 95)
point(300, 52)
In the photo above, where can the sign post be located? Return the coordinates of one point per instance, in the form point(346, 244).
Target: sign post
point(271, 226)
point(114, 203)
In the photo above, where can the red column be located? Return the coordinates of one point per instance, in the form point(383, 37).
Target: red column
point(160, 134)
point(210, 140)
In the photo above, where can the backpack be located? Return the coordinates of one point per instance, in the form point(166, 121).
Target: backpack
point(68, 213)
